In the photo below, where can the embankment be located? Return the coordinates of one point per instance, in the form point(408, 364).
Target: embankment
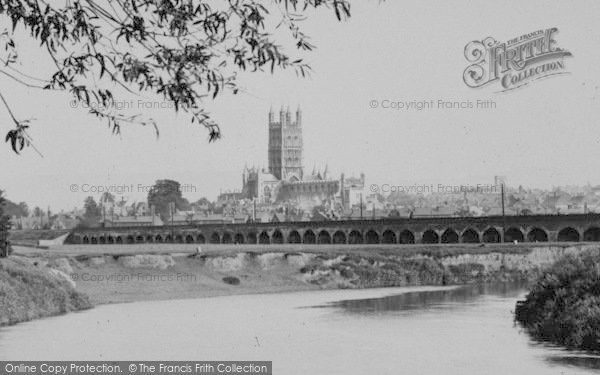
point(29, 292)
point(114, 278)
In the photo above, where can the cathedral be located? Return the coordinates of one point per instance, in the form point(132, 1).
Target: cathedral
point(285, 178)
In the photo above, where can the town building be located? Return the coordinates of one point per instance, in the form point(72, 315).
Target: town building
point(284, 179)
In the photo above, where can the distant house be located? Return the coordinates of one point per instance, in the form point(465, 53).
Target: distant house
point(299, 216)
point(441, 211)
point(497, 211)
point(567, 204)
point(376, 214)
point(64, 222)
point(261, 217)
point(563, 203)
point(352, 214)
point(131, 221)
point(476, 211)
point(278, 218)
point(320, 216)
point(31, 222)
point(240, 218)
point(208, 219)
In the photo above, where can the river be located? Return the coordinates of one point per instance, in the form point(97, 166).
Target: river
point(416, 330)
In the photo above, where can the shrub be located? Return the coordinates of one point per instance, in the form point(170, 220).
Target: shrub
point(231, 280)
point(564, 304)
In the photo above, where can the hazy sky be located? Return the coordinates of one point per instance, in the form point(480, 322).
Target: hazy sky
point(543, 135)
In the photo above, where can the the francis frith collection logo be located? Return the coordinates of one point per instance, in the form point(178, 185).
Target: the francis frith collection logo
point(514, 63)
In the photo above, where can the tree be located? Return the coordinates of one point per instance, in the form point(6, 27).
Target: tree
point(185, 51)
point(4, 218)
point(163, 194)
point(107, 197)
point(203, 204)
point(91, 212)
point(4, 225)
point(24, 209)
point(13, 209)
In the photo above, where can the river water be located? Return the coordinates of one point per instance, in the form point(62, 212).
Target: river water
point(420, 330)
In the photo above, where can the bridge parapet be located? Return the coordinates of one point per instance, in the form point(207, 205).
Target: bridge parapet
point(535, 228)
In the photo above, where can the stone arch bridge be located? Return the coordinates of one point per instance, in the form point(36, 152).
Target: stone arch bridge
point(490, 229)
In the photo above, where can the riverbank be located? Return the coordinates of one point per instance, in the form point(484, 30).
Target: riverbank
point(29, 292)
point(563, 305)
point(131, 276)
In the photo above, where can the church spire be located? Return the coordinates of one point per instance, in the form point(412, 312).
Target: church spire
point(298, 116)
point(271, 115)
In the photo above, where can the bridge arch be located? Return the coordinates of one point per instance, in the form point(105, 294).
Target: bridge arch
point(449, 236)
point(85, 240)
point(309, 237)
point(179, 238)
point(227, 238)
point(214, 238)
point(388, 237)
point(339, 237)
point(252, 238)
point(324, 237)
point(110, 240)
point(513, 234)
point(470, 235)
point(140, 239)
point(568, 234)
point(119, 240)
point(491, 235)
point(537, 235)
point(294, 237)
point(189, 238)
point(93, 240)
point(355, 237)
point(158, 238)
point(277, 237)
point(169, 238)
point(200, 239)
point(149, 238)
point(102, 240)
point(592, 234)
point(264, 238)
point(239, 238)
point(429, 236)
point(372, 237)
point(406, 237)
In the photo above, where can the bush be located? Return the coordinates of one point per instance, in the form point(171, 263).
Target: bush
point(231, 280)
point(564, 304)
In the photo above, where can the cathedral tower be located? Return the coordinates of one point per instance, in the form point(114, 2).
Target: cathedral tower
point(286, 146)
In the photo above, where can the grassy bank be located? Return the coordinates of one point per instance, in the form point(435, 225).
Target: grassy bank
point(170, 271)
point(28, 292)
point(564, 304)
point(130, 275)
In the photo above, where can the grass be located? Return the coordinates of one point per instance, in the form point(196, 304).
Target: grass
point(28, 292)
point(437, 251)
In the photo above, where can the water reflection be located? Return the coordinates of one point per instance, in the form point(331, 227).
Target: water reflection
point(582, 361)
point(462, 296)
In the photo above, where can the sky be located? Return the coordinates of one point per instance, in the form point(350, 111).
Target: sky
point(543, 135)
